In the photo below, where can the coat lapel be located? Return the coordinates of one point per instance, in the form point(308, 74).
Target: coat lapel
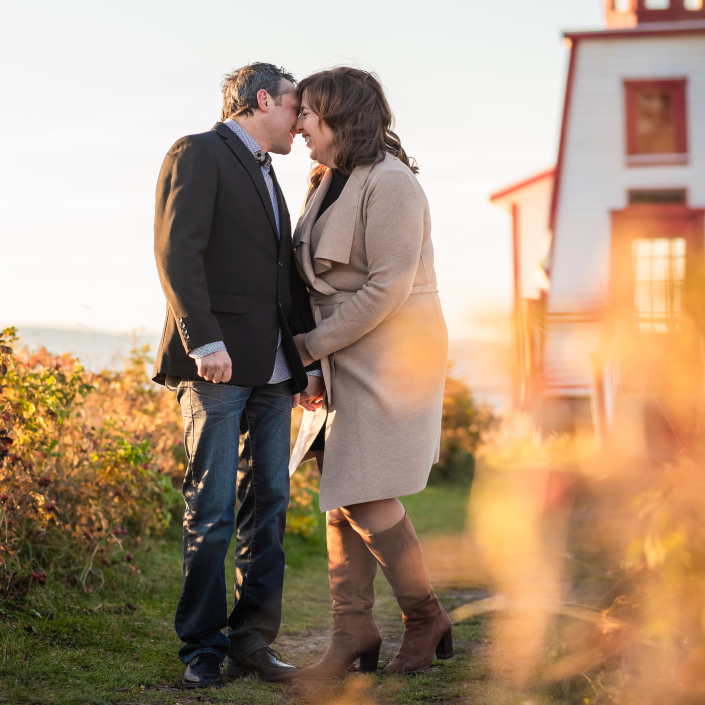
point(307, 219)
point(302, 236)
point(252, 168)
point(337, 236)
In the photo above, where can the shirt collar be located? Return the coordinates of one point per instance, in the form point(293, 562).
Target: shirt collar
point(244, 135)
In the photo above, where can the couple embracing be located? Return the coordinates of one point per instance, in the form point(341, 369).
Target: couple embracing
point(342, 317)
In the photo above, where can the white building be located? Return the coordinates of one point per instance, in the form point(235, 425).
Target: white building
point(622, 212)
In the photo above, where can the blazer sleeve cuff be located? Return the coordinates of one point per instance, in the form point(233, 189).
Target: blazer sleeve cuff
point(198, 332)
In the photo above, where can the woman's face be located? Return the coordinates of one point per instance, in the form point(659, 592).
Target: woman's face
point(318, 136)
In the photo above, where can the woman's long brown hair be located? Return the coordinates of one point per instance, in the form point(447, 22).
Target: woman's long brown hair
point(352, 103)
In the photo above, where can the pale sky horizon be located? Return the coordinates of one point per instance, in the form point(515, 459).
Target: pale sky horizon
point(95, 95)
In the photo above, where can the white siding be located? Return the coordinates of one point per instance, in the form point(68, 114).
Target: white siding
point(595, 178)
point(568, 369)
point(534, 203)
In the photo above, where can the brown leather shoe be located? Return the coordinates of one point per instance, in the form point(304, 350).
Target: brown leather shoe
point(427, 626)
point(351, 572)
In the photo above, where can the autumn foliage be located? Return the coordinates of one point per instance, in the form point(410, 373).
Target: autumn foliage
point(464, 426)
point(80, 471)
point(90, 465)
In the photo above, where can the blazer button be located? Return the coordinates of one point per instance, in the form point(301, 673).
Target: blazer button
point(280, 265)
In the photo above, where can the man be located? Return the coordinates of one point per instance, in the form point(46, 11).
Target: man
point(223, 250)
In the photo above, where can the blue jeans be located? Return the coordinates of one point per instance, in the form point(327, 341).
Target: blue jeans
point(223, 465)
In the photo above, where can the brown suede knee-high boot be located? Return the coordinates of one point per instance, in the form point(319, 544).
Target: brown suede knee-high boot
point(351, 571)
point(427, 626)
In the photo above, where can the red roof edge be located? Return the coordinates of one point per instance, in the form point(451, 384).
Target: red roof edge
point(647, 29)
point(561, 144)
point(521, 184)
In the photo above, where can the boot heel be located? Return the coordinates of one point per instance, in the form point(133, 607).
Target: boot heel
point(445, 646)
point(369, 660)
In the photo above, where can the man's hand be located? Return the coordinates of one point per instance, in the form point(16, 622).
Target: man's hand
point(303, 352)
point(313, 396)
point(216, 367)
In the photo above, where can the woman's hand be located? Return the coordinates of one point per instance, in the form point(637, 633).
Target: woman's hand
point(313, 396)
point(303, 352)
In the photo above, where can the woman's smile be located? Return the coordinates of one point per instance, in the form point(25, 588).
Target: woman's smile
point(319, 138)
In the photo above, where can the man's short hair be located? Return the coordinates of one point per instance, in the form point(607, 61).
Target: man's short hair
point(240, 88)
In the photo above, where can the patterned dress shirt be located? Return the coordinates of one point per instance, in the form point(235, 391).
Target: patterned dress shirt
point(281, 368)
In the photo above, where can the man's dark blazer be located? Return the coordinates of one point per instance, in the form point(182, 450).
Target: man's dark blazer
point(225, 272)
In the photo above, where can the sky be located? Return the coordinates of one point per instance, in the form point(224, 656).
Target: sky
point(94, 94)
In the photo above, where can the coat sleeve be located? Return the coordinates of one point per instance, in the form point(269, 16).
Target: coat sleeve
point(393, 237)
point(185, 201)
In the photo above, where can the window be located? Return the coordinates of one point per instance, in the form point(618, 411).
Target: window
point(659, 278)
point(657, 4)
point(658, 196)
point(693, 5)
point(656, 122)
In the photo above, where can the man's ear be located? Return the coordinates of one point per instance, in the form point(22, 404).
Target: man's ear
point(263, 100)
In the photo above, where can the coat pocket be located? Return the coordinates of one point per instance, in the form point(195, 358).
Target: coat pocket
point(222, 302)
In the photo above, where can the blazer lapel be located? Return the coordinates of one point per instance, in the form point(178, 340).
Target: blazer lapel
point(284, 218)
point(252, 168)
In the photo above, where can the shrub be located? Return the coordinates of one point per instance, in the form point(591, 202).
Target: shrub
point(75, 475)
point(303, 515)
point(87, 460)
point(463, 427)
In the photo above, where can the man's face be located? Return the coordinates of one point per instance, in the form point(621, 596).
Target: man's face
point(281, 120)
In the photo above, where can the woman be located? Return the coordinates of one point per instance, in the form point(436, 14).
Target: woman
point(364, 250)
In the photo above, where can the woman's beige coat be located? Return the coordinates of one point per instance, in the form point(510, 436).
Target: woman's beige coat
point(380, 335)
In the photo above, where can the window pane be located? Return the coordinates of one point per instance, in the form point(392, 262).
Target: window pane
point(656, 124)
point(693, 5)
point(657, 4)
point(660, 195)
point(621, 5)
point(659, 277)
point(659, 300)
point(659, 268)
point(642, 248)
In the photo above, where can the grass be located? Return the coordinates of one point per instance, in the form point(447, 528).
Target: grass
point(117, 644)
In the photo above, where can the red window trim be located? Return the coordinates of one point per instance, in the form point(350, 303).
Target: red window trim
point(677, 87)
point(654, 221)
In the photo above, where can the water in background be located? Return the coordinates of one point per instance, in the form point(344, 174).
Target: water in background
point(97, 351)
point(485, 367)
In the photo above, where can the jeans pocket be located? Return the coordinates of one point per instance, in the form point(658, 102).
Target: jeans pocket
point(195, 397)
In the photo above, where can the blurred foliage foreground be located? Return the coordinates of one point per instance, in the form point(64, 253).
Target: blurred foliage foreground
point(596, 560)
point(89, 464)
